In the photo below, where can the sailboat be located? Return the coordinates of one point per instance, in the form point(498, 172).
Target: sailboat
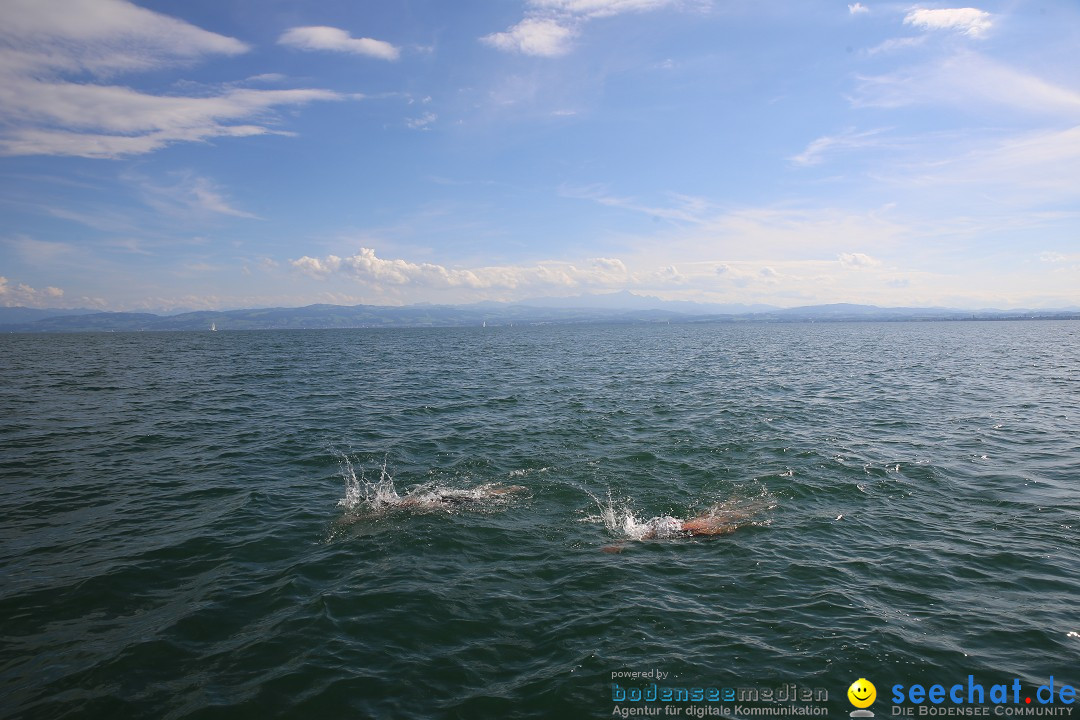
point(213, 327)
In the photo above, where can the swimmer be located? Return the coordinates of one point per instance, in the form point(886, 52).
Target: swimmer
point(707, 524)
point(442, 498)
point(717, 520)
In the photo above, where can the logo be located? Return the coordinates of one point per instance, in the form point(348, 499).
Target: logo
point(862, 694)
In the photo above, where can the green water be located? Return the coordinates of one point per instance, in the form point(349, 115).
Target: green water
point(174, 542)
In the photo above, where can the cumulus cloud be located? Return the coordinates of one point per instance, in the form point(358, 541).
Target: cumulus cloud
point(315, 266)
point(26, 296)
point(320, 37)
point(969, 21)
point(857, 9)
point(599, 8)
point(422, 122)
point(610, 264)
point(47, 108)
point(367, 267)
point(857, 260)
point(550, 26)
point(543, 37)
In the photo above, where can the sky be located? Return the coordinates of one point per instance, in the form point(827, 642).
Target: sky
point(168, 155)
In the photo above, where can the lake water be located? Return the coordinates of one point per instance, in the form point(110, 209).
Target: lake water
point(182, 534)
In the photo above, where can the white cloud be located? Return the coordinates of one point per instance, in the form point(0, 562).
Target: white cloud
point(41, 112)
point(543, 37)
point(315, 266)
point(380, 273)
point(422, 122)
point(551, 25)
point(26, 296)
point(610, 265)
point(108, 121)
point(599, 8)
point(319, 37)
point(856, 261)
point(857, 9)
point(100, 37)
point(969, 21)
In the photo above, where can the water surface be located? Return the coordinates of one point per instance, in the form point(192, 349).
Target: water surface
point(179, 541)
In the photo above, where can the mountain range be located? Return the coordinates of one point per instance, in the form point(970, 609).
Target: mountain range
point(620, 307)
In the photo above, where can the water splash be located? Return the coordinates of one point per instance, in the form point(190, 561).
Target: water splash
point(619, 519)
point(361, 492)
point(366, 496)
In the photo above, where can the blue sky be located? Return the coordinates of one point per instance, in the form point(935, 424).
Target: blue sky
point(240, 153)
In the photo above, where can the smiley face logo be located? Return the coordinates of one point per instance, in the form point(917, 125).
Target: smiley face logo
point(862, 693)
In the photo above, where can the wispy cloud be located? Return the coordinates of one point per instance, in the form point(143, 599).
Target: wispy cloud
point(858, 9)
point(331, 39)
point(897, 44)
point(969, 21)
point(190, 196)
point(1056, 257)
point(847, 140)
point(682, 208)
point(108, 121)
point(42, 253)
point(1028, 170)
point(971, 81)
point(43, 113)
